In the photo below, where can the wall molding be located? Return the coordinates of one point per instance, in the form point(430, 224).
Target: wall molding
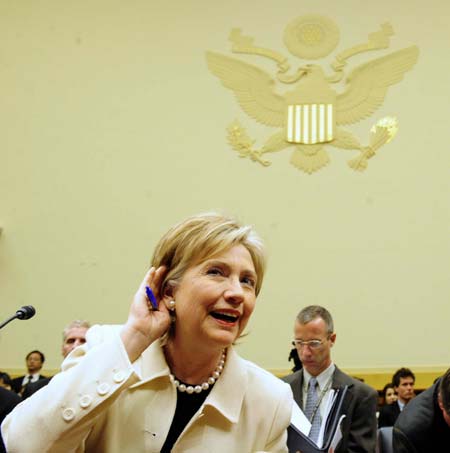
point(378, 377)
point(375, 377)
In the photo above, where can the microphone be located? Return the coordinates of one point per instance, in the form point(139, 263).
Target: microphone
point(25, 312)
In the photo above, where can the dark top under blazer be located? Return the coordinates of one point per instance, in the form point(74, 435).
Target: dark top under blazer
point(359, 428)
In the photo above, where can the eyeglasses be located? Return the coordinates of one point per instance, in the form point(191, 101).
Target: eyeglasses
point(313, 344)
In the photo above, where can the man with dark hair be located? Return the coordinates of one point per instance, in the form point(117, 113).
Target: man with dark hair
point(34, 360)
point(424, 424)
point(314, 337)
point(403, 381)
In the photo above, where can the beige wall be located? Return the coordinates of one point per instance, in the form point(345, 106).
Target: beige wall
point(112, 129)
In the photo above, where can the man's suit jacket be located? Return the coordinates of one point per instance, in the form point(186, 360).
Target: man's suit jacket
point(388, 414)
point(359, 428)
point(16, 384)
point(420, 427)
point(33, 387)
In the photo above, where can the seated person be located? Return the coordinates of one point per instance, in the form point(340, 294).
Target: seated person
point(34, 361)
point(389, 395)
point(403, 381)
point(424, 424)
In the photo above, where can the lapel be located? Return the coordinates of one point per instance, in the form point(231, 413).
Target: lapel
point(297, 385)
point(226, 396)
point(340, 379)
point(151, 364)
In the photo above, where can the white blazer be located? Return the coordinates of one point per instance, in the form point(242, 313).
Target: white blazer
point(100, 402)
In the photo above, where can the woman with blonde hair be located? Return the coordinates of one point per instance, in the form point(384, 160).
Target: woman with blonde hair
point(169, 379)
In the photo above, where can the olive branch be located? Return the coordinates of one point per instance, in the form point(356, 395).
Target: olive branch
point(242, 143)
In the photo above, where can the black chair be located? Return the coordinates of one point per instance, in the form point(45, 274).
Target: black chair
point(384, 440)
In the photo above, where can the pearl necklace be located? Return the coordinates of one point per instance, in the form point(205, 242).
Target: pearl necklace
point(204, 385)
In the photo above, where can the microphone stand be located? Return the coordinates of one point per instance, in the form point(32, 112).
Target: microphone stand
point(3, 324)
point(25, 312)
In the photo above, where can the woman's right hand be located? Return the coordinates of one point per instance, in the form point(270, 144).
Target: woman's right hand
point(145, 325)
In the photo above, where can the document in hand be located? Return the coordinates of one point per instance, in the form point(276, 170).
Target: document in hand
point(330, 431)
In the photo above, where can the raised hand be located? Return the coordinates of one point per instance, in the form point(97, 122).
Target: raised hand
point(145, 325)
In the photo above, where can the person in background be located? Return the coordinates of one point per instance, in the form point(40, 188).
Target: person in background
point(314, 337)
point(34, 360)
point(5, 381)
point(389, 395)
point(169, 380)
point(293, 355)
point(73, 335)
point(403, 381)
point(424, 424)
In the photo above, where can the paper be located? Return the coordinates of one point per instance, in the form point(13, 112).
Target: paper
point(330, 432)
point(299, 420)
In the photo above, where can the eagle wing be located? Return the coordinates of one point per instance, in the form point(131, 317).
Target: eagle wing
point(369, 82)
point(253, 88)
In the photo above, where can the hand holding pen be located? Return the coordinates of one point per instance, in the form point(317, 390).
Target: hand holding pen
point(148, 318)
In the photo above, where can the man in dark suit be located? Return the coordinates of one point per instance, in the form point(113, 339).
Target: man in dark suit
point(424, 425)
point(314, 338)
point(33, 387)
point(34, 360)
point(403, 380)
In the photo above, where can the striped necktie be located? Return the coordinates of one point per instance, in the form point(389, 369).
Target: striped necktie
point(312, 409)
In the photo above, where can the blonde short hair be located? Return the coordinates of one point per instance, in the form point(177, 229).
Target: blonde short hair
point(202, 237)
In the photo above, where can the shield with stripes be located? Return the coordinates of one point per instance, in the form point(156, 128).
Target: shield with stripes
point(310, 123)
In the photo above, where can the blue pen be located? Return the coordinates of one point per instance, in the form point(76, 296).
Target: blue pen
point(151, 297)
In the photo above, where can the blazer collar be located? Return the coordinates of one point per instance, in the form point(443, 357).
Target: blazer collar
point(151, 364)
point(228, 392)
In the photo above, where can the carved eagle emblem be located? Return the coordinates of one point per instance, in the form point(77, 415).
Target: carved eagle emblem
point(311, 113)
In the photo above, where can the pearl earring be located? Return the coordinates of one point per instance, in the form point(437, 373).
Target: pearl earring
point(172, 304)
